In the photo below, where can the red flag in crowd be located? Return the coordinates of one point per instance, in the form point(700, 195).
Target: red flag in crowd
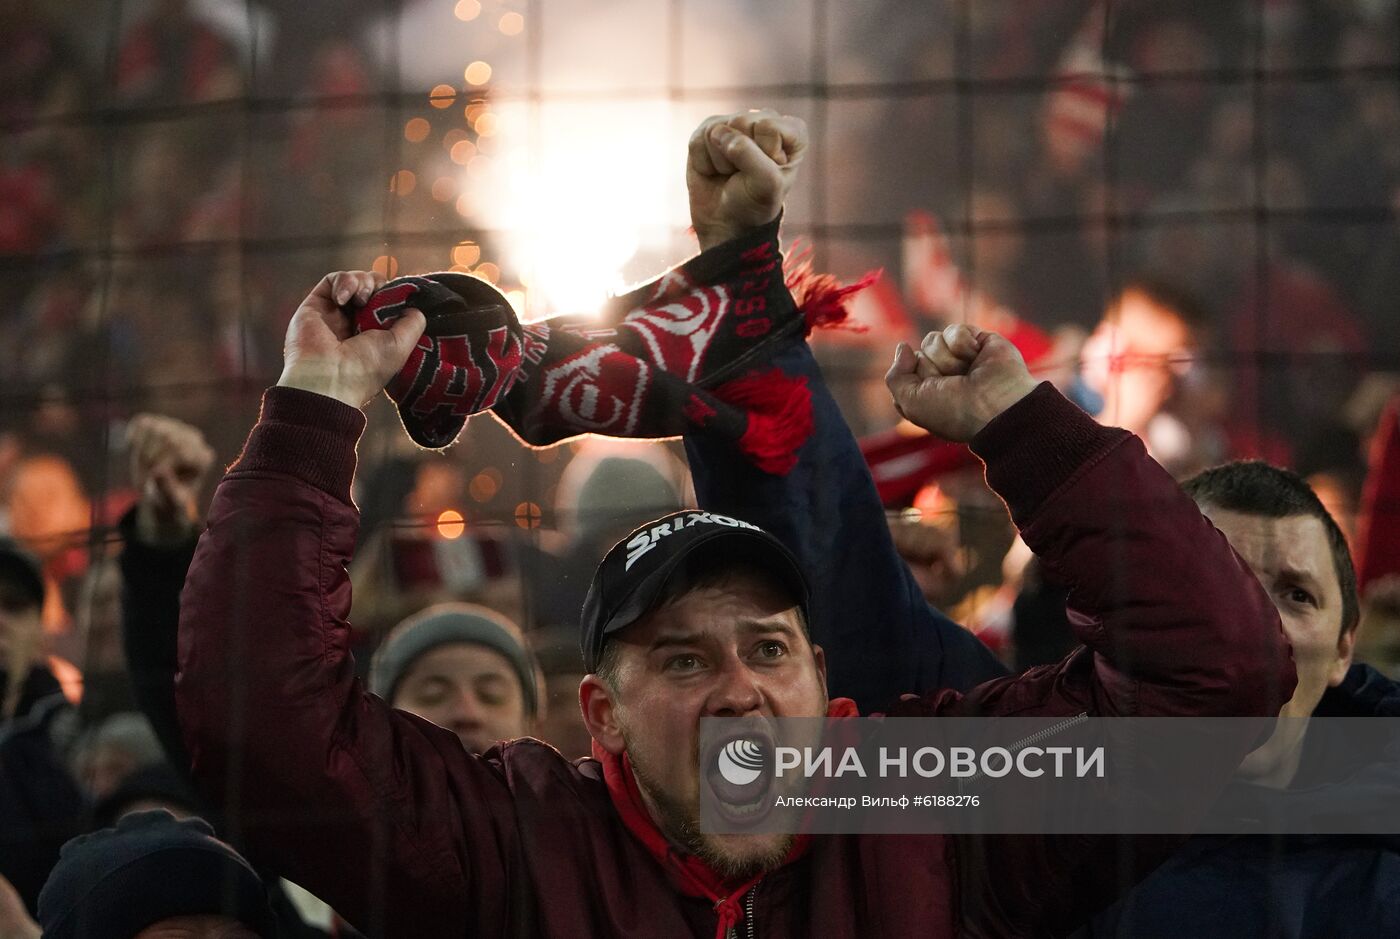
point(1088, 91)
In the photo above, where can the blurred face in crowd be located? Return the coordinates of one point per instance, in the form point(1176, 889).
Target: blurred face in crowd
point(470, 690)
point(47, 504)
point(1292, 558)
point(197, 927)
point(1131, 359)
point(736, 648)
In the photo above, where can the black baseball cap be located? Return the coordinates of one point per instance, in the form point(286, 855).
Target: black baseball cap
point(22, 568)
point(633, 576)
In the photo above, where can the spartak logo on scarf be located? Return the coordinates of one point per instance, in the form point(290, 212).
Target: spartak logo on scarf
point(597, 390)
point(671, 357)
point(678, 331)
point(602, 387)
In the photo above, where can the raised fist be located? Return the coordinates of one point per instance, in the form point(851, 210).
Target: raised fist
point(931, 552)
point(957, 381)
point(169, 460)
point(739, 171)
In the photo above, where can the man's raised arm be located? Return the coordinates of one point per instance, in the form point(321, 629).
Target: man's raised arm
point(314, 775)
point(1172, 621)
point(881, 636)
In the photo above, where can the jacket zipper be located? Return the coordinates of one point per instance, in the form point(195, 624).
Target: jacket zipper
point(1034, 738)
point(733, 933)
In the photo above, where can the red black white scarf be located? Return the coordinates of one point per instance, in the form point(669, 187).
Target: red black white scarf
point(682, 354)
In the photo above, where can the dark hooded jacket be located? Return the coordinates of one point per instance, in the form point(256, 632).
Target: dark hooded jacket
point(1287, 886)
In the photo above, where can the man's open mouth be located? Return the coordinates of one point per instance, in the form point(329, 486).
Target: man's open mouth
point(739, 771)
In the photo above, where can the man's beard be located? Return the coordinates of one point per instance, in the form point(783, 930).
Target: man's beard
point(680, 823)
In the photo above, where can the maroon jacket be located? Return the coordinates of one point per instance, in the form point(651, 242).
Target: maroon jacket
point(387, 818)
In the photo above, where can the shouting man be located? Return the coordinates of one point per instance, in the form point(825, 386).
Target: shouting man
point(698, 615)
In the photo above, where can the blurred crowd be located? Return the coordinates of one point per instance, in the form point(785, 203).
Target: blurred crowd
point(1189, 225)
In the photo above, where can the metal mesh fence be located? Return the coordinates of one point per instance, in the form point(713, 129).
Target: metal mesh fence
point(178, 174)
point(1185, 215)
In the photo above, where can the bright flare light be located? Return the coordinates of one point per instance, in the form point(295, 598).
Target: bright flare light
point(578, 193)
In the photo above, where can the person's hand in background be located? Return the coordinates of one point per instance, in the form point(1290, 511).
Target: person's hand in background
point(932, 555)
point(169, 462)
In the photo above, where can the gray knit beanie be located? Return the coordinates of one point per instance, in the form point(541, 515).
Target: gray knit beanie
point(620, 493)
point(446, 624)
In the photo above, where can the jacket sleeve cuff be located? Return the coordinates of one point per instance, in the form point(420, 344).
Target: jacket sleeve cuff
point(717, 262)
point(1036, 446)
point(306, 435)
